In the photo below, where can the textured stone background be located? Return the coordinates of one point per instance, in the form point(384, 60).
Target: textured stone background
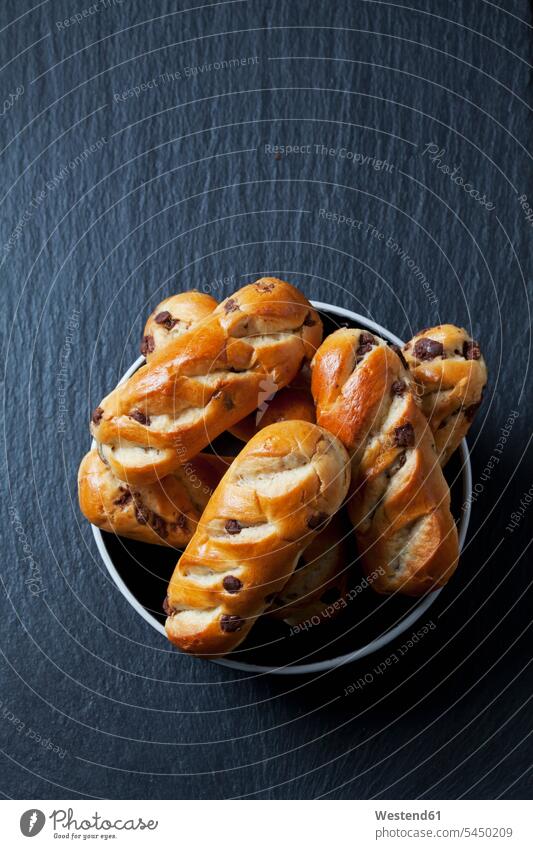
point(179, 192)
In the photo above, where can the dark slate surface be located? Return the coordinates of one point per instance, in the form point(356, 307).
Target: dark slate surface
point(179, 192)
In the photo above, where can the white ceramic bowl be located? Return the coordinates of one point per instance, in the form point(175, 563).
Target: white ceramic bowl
point(406, 622)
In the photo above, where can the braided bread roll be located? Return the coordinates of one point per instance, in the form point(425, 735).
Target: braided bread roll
point(205, 381)
point(400, 501)
point(447, 365)
point(353, 373)
point(284, 485)
point(179, 313)
point(172, 318)
point(319, 580)
point(165, 512)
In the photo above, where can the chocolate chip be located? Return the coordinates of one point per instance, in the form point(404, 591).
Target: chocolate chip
point(471, 350)
point(404, 435)
point(428, 349)
point(147, 345)
point(232, 584)
point(308, 321)
point(265, 287)
point(398, 387)
point(123, 499)
point(398, 463)
point(229, 624)
point(316, 520)
point(366, 343)
point(181, 522)
point(362, 350)
point(398, 351)
point(471, 411)
point(166, 607)
point(231, 305)
point(140, 417)
point(165, 318)
point(232, 526)
point(96, 417)
point(332, 594)
point(228, 402)
point(158, 524)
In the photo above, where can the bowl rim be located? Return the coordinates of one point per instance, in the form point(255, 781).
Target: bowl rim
point(349, 657)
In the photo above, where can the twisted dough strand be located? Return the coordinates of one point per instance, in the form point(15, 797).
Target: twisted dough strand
point(163, 513)
point(172, 318)
point(450, 372)
point(284, 485)
point(205, 381)
point(400, 502)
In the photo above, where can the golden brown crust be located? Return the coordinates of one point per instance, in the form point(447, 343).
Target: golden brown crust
point(178, 314)
point(205, 381)
point(400, 506)
point(400, 501)
point(172, 318)
point(286, 482)
point(319, 580)
point(450, 371)
point(162, 513)
point(352, 375)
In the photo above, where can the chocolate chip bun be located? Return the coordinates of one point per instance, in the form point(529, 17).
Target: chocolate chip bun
point(163, 513)
point(399, 501)
point(354, 376)
point(205, 381)
point(172, 318)
point(449, 369)
point(282, 488)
